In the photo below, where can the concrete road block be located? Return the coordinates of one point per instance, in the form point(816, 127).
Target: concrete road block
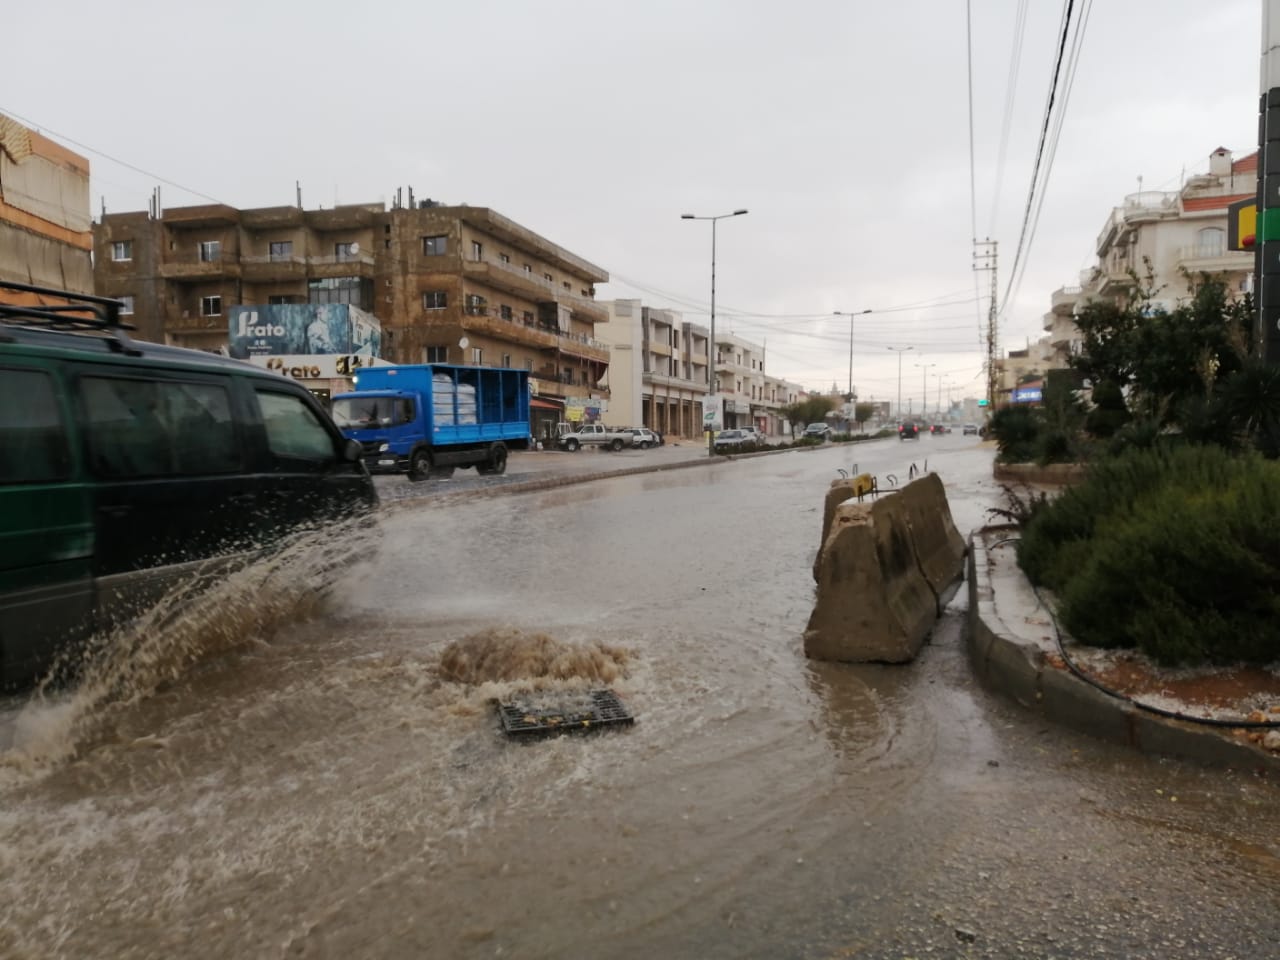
point(938, 545)
point(846, 488)
point(873, 604)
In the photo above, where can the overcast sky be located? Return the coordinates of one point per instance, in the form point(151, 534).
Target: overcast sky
point(842, 126)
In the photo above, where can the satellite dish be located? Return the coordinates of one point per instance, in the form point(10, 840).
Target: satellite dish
point(464, 343)
point(355, 248)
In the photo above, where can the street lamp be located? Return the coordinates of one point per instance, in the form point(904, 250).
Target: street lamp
point(851, 316)
point(711, 347)
point(897, 411)
point(924, 394)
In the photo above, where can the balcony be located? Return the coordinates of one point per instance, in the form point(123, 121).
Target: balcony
point(269, 218)
point(348, 217)
point(1215, 259)
point(341, 265)
point(264, 268)
point(477, 319)
point(193, 268)
point(199, 217)
point(523, 283)
point(1063, 300)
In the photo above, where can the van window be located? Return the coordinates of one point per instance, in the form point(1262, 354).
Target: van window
point(293, 430)
point(33, 438)
point(148, 428)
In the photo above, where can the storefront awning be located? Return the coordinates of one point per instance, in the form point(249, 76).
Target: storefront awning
point(540, 404)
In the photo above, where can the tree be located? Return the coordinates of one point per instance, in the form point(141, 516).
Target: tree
point(862, 412)
point(812, 409)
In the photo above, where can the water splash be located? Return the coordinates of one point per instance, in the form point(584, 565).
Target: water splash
point(220, 607)
point(506, 655)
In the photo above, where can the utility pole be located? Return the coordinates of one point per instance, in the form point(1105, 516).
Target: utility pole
point(1267, 245)
point(985, 253)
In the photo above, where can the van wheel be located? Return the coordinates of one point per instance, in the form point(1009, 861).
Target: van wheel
point(419, 465)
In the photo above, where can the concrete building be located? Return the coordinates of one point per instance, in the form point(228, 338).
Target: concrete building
point(448, 284)
point(45, 237)
point(1172, 233)
point(657, 370)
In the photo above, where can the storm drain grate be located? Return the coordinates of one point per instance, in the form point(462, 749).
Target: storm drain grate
point(590, 711)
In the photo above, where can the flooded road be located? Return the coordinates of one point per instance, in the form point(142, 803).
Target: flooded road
point(329, 790)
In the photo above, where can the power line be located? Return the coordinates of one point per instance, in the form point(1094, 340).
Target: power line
point(106, 156)
point(1010, 96)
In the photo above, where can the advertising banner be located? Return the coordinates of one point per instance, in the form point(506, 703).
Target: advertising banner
point(317, 366)
point(303, 329)
point(712, 417)
point(584, 409)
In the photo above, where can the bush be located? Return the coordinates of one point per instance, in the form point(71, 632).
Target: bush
point(1015, 429)
point(1175, 550)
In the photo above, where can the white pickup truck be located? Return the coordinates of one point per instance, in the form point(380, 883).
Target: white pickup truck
point(593, 434)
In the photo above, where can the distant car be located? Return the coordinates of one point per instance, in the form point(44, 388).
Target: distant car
point(734, 441)
point(908, 431)
point(969, 428)
point(939, 428)
point(755, 435)
point(819, 431)
point(643, 438)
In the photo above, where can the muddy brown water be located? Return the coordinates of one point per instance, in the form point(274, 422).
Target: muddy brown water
point(296, 771)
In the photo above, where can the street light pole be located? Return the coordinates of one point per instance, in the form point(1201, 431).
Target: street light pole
point(897, 410)
point(851, 315)
point(711, 345)
point(924, 393)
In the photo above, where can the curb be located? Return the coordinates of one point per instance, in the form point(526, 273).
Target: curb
point(1018, 669)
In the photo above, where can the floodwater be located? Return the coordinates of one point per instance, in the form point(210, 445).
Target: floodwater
point(328, 779)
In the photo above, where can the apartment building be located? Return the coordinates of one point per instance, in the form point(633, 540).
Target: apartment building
point(658, 369)
point(45, 237)
point(448, 284)
point(1174, 232)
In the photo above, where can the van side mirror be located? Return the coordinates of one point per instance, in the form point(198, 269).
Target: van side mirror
point(351, 451)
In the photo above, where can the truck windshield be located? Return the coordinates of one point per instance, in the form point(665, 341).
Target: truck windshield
point(366, 412)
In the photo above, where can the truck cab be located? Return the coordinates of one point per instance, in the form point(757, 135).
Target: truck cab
point(386, 423)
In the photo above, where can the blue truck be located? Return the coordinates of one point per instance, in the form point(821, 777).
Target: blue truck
point(427, 419)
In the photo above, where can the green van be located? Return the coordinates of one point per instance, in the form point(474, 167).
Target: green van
point(125, 466)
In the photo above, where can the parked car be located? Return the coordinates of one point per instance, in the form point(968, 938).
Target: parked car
point(908, 431)
point(755, 435)
point(969, 428)
point(127, 468)
point(819, 431)
point(734, 441)
point(642, 437)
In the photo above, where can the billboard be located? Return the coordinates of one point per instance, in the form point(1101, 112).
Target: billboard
point(712, 418)
point(302, 329)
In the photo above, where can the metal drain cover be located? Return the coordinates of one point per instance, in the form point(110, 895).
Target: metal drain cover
point(577, 713)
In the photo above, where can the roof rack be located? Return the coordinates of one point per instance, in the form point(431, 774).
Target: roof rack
point(81, 311)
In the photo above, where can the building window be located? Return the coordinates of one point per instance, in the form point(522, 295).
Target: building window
point(210, 251)
point(528, 268)
point(477, 250)
point(506, 359)
point(1211, 242)
point(433, 246)
point(126, 306)
point(504, 258)
point(277, 299)
point(528, 365)
point(505, 312)
point(547, 277)
point(477, 356)
point(475, 305)
point(437, 354)
point(350, 290)
point(435, 300)
point(210, 306)
point(567, 285)
point(281, 250)
point(344, 252)
point(122, 250)
point(528, 318)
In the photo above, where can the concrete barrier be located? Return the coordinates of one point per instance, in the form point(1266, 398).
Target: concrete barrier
point(846, 488)
point(938, 545)
point(873, 604)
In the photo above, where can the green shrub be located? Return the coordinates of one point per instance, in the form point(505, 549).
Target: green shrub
point(1015, 428)
point(1188, 577)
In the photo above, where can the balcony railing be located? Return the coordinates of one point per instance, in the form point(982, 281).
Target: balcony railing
point(543, 282)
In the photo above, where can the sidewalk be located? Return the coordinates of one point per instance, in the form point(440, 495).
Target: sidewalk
point(1013, 649)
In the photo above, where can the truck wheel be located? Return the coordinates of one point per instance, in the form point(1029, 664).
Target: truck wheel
point(498, 459)
point(419, 465)
point(616, 445)
point(571, 445)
